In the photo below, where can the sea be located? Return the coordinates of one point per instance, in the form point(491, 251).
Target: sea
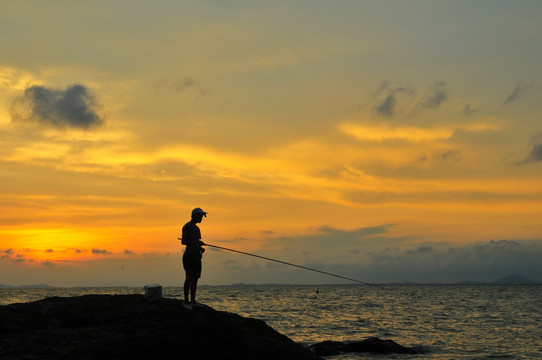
point(442, 322)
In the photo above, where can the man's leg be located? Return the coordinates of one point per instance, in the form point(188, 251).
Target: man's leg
point(187, 284)
point(193, 287)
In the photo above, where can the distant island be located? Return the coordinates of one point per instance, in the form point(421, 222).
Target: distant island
point(35, 286)
point(513, 279)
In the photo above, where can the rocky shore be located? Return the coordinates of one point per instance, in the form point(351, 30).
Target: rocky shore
point(369, 345)
point(129, 327)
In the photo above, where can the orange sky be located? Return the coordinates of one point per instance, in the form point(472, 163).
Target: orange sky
point(383, 141)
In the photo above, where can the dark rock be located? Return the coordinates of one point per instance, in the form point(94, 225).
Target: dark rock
point(376, 345)
point(128, 327)
point(372, 344)
point(328, 347)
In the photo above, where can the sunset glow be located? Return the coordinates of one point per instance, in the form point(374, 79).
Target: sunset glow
point(367, 138)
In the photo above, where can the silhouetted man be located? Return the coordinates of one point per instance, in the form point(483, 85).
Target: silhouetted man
point(192, 254)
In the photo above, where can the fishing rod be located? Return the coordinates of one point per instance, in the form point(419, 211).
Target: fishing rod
point(299, 266)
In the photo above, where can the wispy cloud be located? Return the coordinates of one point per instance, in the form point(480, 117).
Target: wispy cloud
point(387, 97)
point(387, 106)
point(73, 107)
point(448, 155)
point(405, 133)
point(536, 149)
point(176, 84)
point(468, 110)
point(520, 90)
point(327, 237)
point(436, 96)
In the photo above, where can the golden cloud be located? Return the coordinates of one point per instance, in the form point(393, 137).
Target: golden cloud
point(385, 132)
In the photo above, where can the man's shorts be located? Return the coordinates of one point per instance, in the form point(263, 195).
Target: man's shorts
point(192, 265)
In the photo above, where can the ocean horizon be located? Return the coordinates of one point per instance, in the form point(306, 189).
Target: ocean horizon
point(513, 279)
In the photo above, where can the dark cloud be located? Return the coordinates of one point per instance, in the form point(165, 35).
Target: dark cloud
point(49, 250)
point(483, 261)
point(12, 256)
point(389, 98)
point(437, 95)
point(152, 253)
point(330, 239)
point(101, 252)
point(181, 84)
point(176, 85)
point(388, 105)
point(371, 254)
point(448, 155)
point(520, 89)
point(422, 159)
point(536, 152)
point(420, 250)
point(73, 107)
point(231, 265)
point(48, 264)
point(536, 149)
point(128, 252)
point(332, 243)
point(468, 110)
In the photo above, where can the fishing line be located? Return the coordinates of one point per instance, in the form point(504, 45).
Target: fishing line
point(299, 266)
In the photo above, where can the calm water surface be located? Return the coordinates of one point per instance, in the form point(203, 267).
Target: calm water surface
point(447, 322)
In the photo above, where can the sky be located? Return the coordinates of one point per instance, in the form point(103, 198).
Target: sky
point(384, 141)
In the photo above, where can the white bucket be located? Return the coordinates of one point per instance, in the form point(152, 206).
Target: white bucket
point(153, 292)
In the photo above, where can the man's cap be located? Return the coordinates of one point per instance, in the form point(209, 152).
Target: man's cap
point(198, 211)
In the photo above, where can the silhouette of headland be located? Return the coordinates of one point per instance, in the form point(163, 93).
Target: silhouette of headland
point(129, 327)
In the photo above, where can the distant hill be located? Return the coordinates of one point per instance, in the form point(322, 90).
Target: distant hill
point(507, 280)
point(513, 280)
